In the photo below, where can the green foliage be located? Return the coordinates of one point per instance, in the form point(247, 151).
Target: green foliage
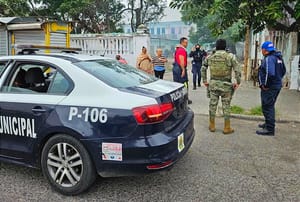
point(297, 10)
point(277, 14)
point(256, 111)
point(91, 16)
point(237, 109)
point(234, 33)
point(14, 8)
point(203, 33)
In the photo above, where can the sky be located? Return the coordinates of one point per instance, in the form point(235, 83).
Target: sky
point(171, 15)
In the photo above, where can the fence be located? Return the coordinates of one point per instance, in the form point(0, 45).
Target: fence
point(110, 45)
point(287, 43)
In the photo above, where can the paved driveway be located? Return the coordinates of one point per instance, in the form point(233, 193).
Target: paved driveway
point(238, 167)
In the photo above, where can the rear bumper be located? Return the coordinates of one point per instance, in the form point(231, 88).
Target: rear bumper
point(141, 152)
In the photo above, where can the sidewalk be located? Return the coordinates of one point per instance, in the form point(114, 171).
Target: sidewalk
point(247, 96)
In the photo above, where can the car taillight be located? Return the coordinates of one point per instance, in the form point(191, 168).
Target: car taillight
point(152, 113)
point(160, 165)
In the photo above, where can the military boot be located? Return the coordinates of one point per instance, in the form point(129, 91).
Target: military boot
point(212, 125)
point(227, 128)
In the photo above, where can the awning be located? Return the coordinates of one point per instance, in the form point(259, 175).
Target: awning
point(27, 26)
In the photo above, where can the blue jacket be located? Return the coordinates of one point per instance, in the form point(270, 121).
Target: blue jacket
point(271, 71)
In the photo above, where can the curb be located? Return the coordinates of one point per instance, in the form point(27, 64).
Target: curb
point(261, 118)
point(256, 118)
point(248, 117)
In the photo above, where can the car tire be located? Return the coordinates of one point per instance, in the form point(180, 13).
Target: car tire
point(67, 165)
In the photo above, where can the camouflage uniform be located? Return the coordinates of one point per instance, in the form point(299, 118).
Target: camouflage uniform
point(221, 65)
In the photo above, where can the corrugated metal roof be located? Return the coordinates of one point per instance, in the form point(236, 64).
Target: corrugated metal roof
point(18, 20)
point(6, 20)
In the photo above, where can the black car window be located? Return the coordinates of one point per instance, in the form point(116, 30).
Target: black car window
point(35, 78)
point(116, 74)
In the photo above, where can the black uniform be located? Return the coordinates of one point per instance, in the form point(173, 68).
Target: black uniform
point(198, 56)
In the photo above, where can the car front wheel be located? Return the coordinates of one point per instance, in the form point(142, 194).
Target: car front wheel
point(67, 165)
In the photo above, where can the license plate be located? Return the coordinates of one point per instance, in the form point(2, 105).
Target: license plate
point(180, 140)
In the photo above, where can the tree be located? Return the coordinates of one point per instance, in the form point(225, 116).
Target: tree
point(281, 15)
point(203, 33)
point(145, 11)
point(253, 14)
point(15, 8)
point(92, 16)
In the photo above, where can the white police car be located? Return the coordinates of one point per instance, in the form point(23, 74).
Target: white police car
point(76, 116)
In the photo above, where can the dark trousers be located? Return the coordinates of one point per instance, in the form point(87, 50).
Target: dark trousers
point(268, 100)
point(177, 75)
point(196, 70)
point(159, 74)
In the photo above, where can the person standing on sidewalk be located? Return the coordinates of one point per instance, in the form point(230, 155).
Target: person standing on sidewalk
point(221, 65)
point(159, 62)
point(180, 64)
point(198, 55)
point(143, 61)
point(270, 76)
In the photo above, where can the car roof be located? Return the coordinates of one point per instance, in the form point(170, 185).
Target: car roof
point(72, 57)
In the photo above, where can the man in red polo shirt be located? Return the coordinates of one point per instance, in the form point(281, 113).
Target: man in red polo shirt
point(180, 64)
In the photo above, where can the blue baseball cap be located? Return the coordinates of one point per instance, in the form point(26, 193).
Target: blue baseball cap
point(268, 46)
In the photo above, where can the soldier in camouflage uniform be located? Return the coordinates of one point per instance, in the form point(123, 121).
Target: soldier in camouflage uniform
point(221, 65)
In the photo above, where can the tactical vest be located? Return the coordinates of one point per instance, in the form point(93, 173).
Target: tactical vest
point(198, 56)
point(220, 64)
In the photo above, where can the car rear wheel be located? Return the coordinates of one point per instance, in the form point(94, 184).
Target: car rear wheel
point(67, 165)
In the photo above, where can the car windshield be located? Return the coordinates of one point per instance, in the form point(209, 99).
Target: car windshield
point(115, 74)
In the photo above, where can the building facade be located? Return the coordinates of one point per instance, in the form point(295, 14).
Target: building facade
point(165, 35)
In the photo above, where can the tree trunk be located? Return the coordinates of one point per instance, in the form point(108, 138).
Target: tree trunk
point(138, 13)
point(132, 16)
point(246, 52)
point(254, 74)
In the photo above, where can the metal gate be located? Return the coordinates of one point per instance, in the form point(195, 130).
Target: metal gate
point(3, 42)
point(36, 37)
point(58, 39)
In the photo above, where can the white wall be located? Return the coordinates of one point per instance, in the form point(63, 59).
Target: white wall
point(129, 46)
point(295, 74)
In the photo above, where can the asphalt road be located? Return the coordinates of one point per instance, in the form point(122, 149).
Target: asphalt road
point(238, 167)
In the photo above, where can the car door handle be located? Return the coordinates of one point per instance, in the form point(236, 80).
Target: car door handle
point(38, 110)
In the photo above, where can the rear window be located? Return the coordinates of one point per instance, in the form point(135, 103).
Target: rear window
point(116, 74)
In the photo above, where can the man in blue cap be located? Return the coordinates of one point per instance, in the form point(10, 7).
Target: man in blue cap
point(270, 76)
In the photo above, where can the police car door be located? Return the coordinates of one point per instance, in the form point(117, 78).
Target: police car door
point(29, 93)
